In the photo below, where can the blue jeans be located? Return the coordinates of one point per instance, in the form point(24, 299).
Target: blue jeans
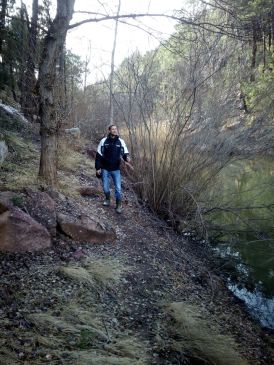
point(116, 177)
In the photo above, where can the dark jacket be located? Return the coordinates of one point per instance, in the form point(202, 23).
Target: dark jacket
point(109, 152)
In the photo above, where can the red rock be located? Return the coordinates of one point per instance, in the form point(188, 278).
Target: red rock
point(85, 230)
point(3, 207)
point(42, 208)
point(21, 233)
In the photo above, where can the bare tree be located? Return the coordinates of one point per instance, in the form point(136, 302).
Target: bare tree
point(111, 77)
point(28, 101)
point(52, 49)
point(2, 22)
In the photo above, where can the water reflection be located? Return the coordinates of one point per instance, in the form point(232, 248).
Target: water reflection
point(244, 227)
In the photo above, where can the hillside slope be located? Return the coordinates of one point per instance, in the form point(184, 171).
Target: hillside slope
point(151, 297)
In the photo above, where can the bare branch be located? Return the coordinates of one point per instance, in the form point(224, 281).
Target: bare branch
point(222, 28)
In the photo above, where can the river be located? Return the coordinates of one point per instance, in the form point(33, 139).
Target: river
point(243, 228)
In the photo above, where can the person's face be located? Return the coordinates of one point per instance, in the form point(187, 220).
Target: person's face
point(113, 131)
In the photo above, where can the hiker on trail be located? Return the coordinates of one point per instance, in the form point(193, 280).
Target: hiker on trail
point(107, 163)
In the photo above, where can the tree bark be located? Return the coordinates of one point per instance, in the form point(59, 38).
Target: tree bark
point(28, 100)
point(272, 24)
point(254, 53)
point(111, 77)
point(52, 49)
point(2, 22)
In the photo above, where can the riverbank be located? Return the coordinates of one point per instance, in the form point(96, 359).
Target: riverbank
point(149, 298)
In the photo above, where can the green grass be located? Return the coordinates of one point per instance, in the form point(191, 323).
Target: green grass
point(20, 169)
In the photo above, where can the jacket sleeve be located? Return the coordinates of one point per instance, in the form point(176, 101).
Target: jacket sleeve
point(125, 154)
point(98, 157)
point(98, 161)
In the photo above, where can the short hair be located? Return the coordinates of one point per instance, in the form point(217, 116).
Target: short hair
point(112, 125)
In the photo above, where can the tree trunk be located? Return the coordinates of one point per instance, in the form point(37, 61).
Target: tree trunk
point(3, 10)
point(264, 52)
point(2, 22)
point(272, 24)
point(111, 77)
point(52, 49)
point(254, 54)
point(28, 100)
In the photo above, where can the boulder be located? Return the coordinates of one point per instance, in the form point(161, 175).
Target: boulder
point(73, 132)
point(6, 200)
point(11, 199)
point(3, 151)
point(12, 119)
point(3, 207)
point(21, 233)
point(41, 207)
point(85, 229)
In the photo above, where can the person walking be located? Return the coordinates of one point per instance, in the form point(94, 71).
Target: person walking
point(107, 164)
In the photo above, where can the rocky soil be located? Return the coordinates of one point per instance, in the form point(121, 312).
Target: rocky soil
point(145, 269)
point(109, 303)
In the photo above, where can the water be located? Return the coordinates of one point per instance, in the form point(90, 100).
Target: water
point(244, 228)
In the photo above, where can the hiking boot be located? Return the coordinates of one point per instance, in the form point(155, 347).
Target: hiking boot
point(118, 208)
point(106, 202)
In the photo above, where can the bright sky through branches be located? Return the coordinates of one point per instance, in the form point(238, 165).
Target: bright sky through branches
point(95, 40)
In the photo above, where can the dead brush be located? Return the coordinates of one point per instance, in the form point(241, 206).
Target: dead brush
point(195, 334)
point(80, 331)
point(173, 169)
point(100, 272)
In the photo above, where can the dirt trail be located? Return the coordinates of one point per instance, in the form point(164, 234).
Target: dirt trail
point(110, 303)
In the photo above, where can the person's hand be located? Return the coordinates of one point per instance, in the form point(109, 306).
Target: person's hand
point(98, 172)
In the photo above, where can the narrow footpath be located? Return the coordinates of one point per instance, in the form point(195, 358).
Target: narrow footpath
point(150, 297)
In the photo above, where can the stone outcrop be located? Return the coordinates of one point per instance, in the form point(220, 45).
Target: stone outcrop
point(7, 197)
point(42, 208)
point(3, 207)
point(21, 233)
point(12, 119)
point(85, 230)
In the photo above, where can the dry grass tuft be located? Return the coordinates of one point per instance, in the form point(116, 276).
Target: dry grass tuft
point(70, 158)
point(95, 272)
point(102, 358)
point(68, 184)
point(200, 339)
point(81, 332)
point(70, 162)
point(8, 357)
point(20, 169)
point(81, 337)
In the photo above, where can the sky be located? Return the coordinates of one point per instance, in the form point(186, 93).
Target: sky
point(94, 41)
